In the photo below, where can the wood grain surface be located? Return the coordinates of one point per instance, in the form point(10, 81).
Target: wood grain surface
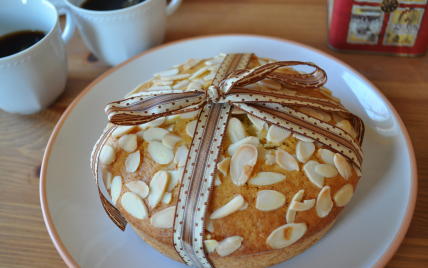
point(24, 240)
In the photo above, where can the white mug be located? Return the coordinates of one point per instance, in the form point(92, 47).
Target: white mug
point(117, 35)
point(32, 79)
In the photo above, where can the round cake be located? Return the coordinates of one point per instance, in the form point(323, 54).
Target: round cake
point(274, 194)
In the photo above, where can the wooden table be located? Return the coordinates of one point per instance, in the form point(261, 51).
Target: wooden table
point(24, 240)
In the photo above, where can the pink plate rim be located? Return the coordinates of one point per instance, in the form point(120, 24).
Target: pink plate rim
point(383, 260)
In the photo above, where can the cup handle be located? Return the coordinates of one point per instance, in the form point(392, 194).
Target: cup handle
point(70, 24)
point(172, 7)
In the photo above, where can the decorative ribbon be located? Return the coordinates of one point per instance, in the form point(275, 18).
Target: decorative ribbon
point(227, 90)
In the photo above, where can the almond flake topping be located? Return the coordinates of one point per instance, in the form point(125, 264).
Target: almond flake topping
point(107, 155)
point(160, 153)
point(107, 178)
point(286, 161)
point(191, 127)
point(266, 178)
point(175, 77)
point(299, 206)
point(172, 180)
point(345, 125)
point(189, 115)
point(214, 61)
point(154, 134)
point(248, 140)
point(134, 205)
point(229, 245)
point(344, 195)
point(326, 171)
point(209, 225)
point(302, 138)
point(232, 206)
point(162, 82)
point(223, 166)
point(324, 202)
point(235, 131)
point(304, 151)
point(116, 188)
point(138, 187)
point(270, 159)
point(337, 118)
point(166, 198)
point(342, 166)
point(314, 177)
point(244, 207)
point(169, 140)
point(157, 122)
point(262, 152)
point(312, 113)
point(164, 218)
point(190, 64)
point(260, 124)
point(268, 200)
point(210, 245)
point(326, 116)
point(194, 86)
point(242, 163)
point(181, 155)
point(291, 214)
point(209, 77)
point(199, 72)
point(277, 134)
point(157, 188)
point(128, 142)
point(181, 84)
point(270, 84)
point(327, 156)
point(132, 161)
point(121, 131)
point(159, 88)
point(286, 235)
point(167, 73)
point(217, 181)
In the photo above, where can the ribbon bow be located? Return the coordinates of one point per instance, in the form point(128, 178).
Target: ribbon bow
point(227, 91)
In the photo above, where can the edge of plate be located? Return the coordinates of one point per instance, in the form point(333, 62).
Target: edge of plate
point(66, 256)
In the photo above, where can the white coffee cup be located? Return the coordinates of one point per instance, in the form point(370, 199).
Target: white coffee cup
point(117, 35)
point(32, 79)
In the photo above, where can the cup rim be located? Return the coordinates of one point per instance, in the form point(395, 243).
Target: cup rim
point(106, 12)
point(45, 38)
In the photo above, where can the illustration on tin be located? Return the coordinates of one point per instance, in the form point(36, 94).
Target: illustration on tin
point(365, 25)
point(403, 27)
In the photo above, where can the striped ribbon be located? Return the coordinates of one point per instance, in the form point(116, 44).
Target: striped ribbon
point(227, 91)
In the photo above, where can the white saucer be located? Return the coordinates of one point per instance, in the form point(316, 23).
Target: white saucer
point(367, 233)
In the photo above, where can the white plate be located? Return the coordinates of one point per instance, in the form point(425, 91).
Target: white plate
point(366, 234)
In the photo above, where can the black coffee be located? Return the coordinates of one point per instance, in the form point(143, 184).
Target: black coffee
point(105, 5)
point(15, 42)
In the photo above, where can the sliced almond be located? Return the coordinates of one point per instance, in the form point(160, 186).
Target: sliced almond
point(248, 140)
point(190, 64)
point(326, 116)
point(181, 155)
point(260, 124)
point(345, 125)
point(268, 200)
point(214, 68)
point(158, 82)
point(312, 113)
point(160, 153)
point(132, 161)
point(166, 198)
point(286, 160)
point(172, 180)
point(157, 188)
point(302, 138)
point(245, 206)
point(277, 134)
point(291, 214)
point(223, 166)
point(302, 206)
point(270, 84)
point(229, 245)
point(128, 142)
point(121, 131)
point(232, 206)
point(138, 187)
point(191, 127)
point(169, 140)
point(357, 170)
point(262, 152)
point(313, 176)
point(181, 84)
point(180, 172)
point(164, 218)
point(194, 86)
point(337, 118)
point(134, 205)
point(324, 202)
point(210, 245)
point(214, 61)
point(304, 151)
point(170, 128)
point(209, 225)
point(344, 195)
point(116, 188)
point(154, 134)
point(210, 76)
point(175, 77)
point(217, 181)
point(167, 72)
point(107, 178)
point(235, 131)
point(199, 72)
point(158, 88)
point(270, 159)
point(342, 166)
point(107, 155)
point(326, 156)
point(286, 235)
point(266, 178)
point(242, 163)
point(326, 170)
point(189, 115)
point(140, 135)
